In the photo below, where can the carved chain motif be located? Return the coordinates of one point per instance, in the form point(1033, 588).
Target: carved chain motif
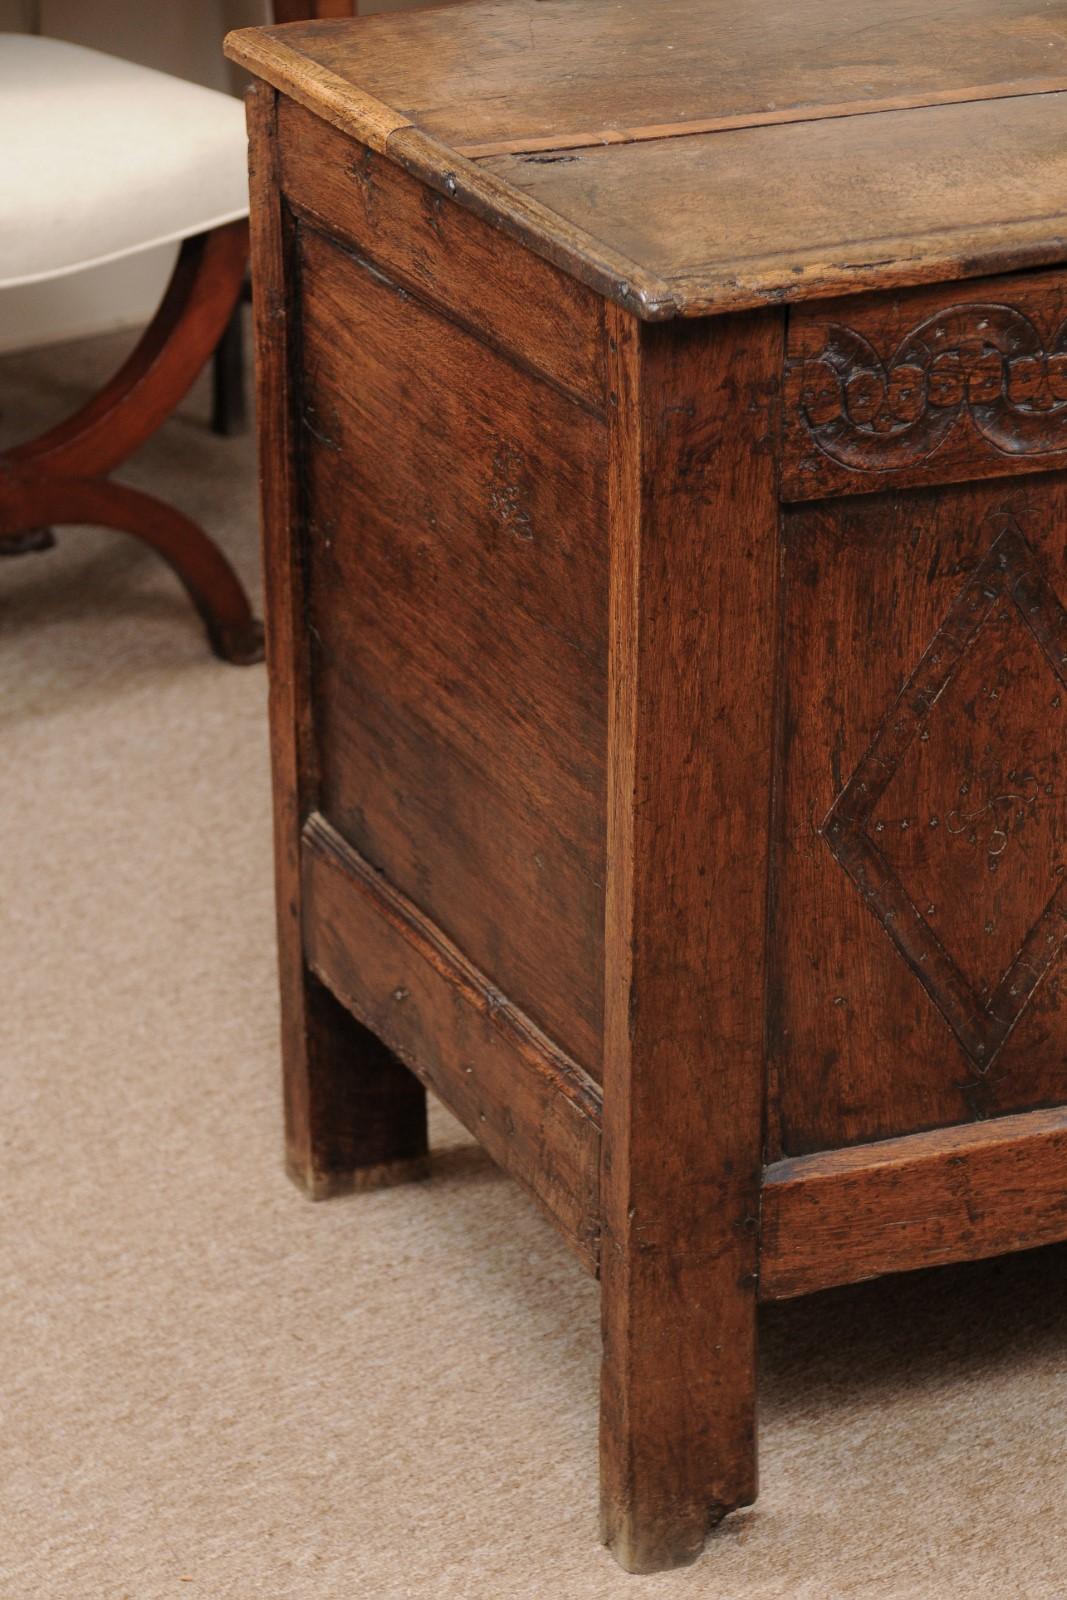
point(985, 362)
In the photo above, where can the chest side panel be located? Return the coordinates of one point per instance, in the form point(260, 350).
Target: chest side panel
point(920, 875)
point(450, 258)
point(457, 601)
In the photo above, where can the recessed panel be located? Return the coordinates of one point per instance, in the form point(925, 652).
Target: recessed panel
point(457, 582)
point(920, 879)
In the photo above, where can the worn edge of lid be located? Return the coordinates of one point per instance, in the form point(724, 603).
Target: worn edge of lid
point(948, 260)
point(546, 232)
point(265, 53)
point(338, 101)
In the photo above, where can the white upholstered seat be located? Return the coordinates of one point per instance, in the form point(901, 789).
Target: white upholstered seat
point(100, 158)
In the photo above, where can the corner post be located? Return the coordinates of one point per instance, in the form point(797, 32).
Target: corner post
point(694, 532)
point(355, 1117)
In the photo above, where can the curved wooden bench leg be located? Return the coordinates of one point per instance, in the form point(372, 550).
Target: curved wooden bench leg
point(212, 585)
point(191, 319)
point(61, 476)
point(28, 542)
point(229, 413)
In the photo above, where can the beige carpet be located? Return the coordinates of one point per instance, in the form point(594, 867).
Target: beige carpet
point(211, 1387)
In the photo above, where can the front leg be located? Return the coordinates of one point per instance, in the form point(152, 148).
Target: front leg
point(354, 1115)
point(693, 529)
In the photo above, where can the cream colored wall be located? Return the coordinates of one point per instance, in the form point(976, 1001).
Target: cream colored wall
point(17, 16)
point(184, 37)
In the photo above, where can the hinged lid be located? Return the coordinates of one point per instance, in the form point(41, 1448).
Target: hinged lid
point(692, 156)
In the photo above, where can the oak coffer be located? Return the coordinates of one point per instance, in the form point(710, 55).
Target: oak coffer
point(663, 434)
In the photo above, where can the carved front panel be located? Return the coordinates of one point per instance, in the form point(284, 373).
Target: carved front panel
point(931, 386)
point(954, 825)
point(920, 882)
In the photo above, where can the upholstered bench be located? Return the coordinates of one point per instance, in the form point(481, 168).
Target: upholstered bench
point(104, 159)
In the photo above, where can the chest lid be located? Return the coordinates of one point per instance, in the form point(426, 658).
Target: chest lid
point(695, 156)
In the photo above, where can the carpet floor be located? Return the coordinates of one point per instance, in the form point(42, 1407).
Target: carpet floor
point(209, 1386)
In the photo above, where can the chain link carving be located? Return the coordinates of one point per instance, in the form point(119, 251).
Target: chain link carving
point(985, 363)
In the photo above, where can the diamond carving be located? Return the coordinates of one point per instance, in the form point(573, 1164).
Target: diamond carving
point(954, 825)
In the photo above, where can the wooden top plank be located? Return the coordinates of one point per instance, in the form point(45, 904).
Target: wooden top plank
point(510, 71)
point(697, 155)
point(730, 220)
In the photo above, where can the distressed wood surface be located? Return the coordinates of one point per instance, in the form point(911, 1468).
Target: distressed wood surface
point(551, 71)
point(432, 247)
point(730, 220)
point(457, 611)
point(953, 1195)
point(354, 1116)
point(918, 146)
point(936, 385)
point(529, 1105)
point(922, 824)
point(692, 662)
point(276, 59)
point(572, 244)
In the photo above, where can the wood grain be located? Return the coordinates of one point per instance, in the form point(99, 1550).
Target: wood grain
point(694, 524)
point(953, 1195)
point(669, 735)
point(425, 242)
point(893, 1019)
point(456, 564)
point(515, 70)
point(533, 1109)
point(826, 111)
point(275, 58)
point(353, 1114)
point(731, 220)
point(573, 244)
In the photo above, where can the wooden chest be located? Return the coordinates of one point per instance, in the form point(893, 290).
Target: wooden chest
point(664, 416)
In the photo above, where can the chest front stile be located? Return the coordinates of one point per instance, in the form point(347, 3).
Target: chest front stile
point(694, 520)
